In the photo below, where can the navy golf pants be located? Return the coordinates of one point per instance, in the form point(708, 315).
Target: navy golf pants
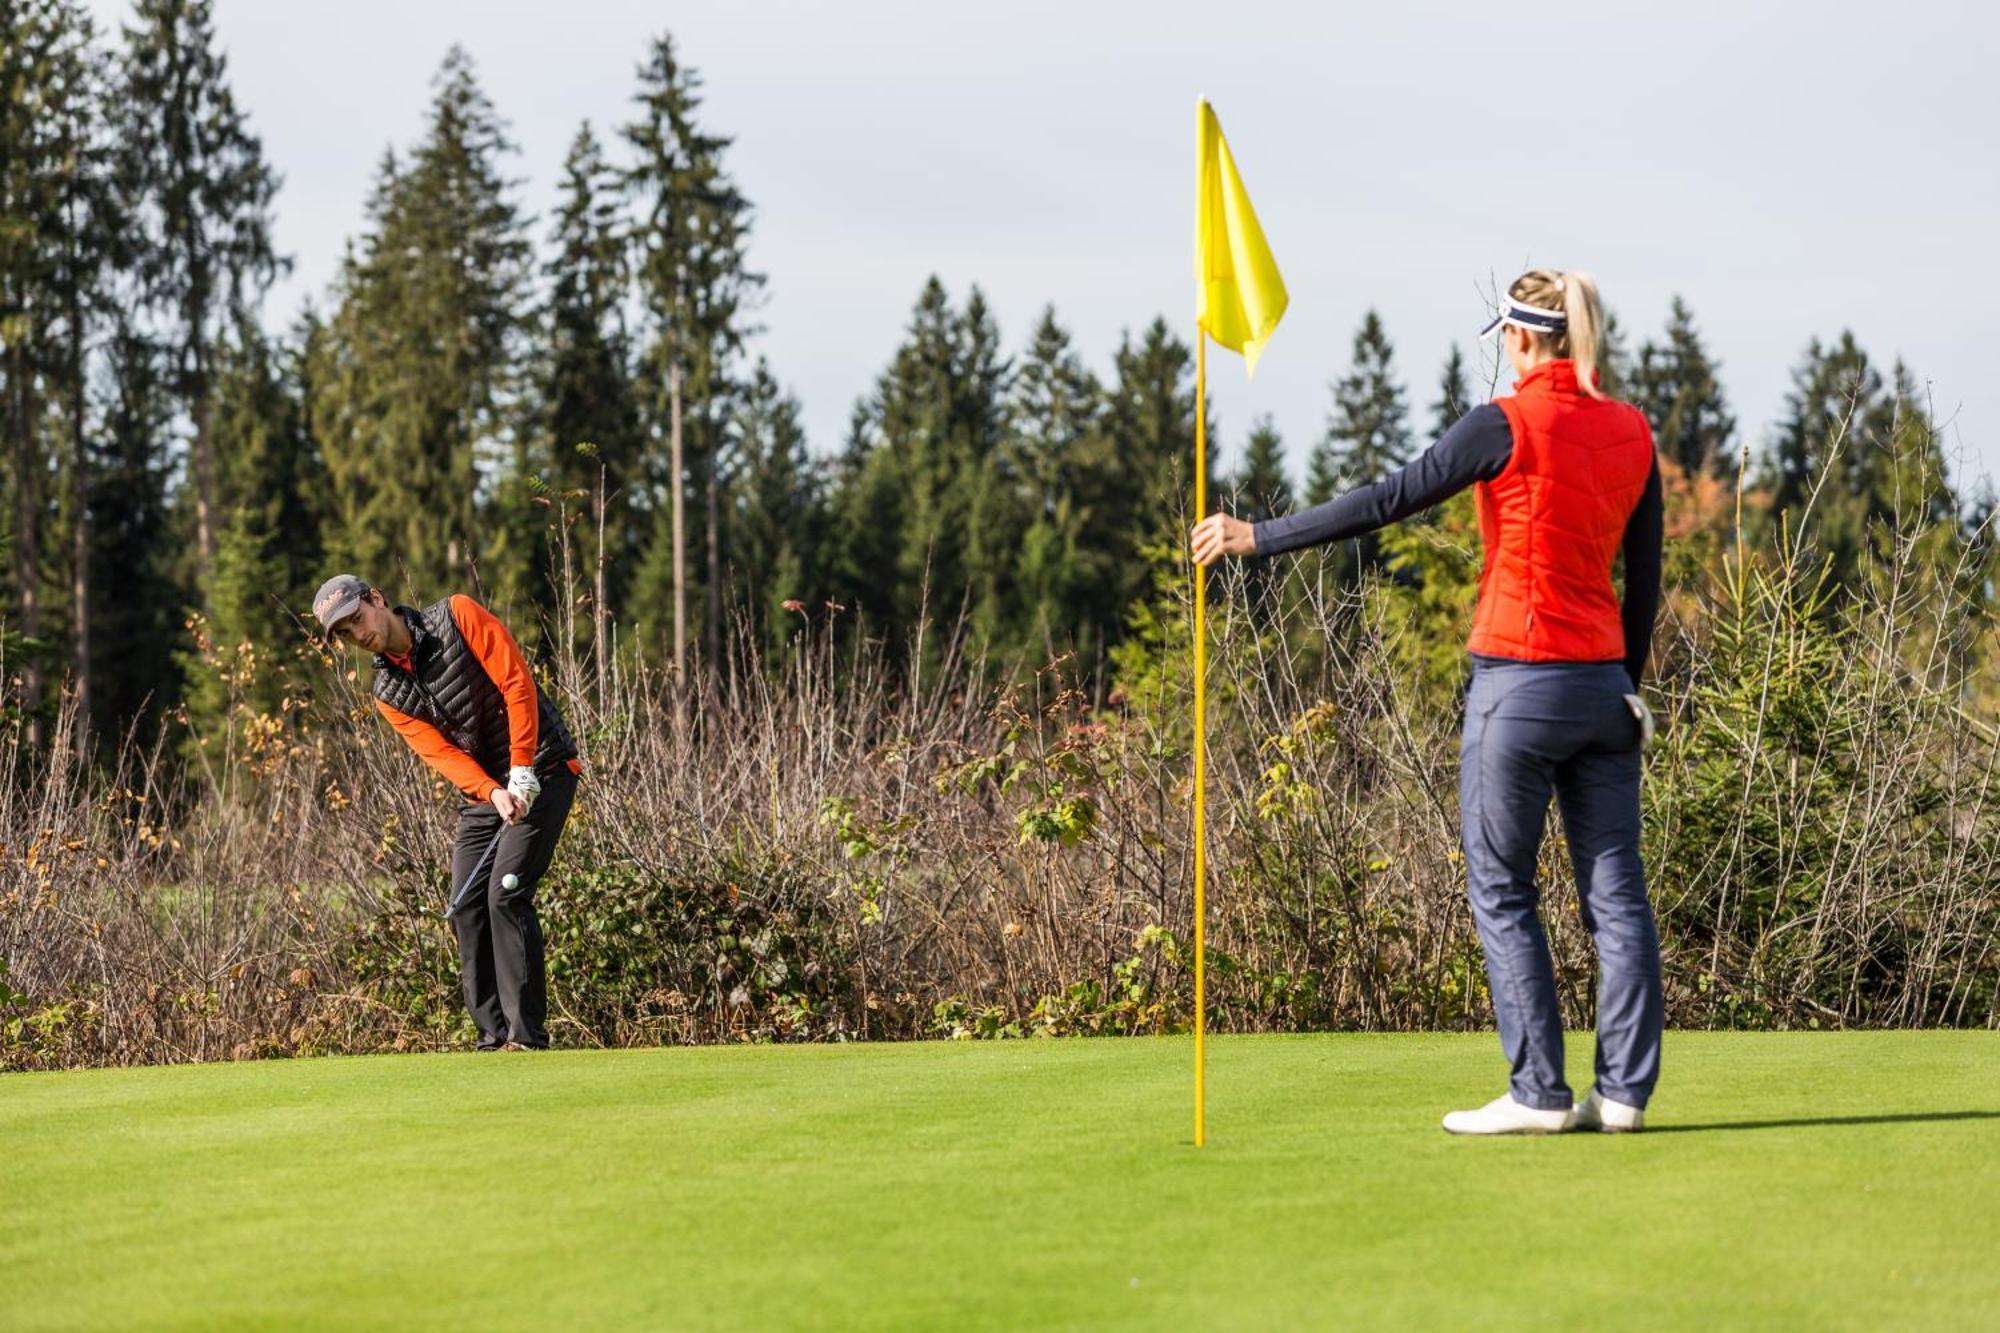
point(1532, 730)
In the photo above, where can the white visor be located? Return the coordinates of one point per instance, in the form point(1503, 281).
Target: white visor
point(1530, 317)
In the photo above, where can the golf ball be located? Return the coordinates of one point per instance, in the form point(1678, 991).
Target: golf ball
point(510, 881)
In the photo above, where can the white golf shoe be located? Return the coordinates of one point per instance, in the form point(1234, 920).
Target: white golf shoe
point(1507, 1116)
point(1601, 1113)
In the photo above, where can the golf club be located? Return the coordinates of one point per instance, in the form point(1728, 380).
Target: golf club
point(478, 872)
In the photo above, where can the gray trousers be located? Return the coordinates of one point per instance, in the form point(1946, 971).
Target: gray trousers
point(1533, 730)
point(499, 934)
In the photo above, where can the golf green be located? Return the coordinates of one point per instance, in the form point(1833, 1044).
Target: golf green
point(1788, 1181)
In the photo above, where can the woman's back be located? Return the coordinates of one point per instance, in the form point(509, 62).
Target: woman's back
point(1552, 522)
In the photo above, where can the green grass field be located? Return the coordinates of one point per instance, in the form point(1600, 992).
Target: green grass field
point(1795, 1181)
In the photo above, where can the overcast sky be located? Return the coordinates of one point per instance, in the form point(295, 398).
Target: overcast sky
point(1790, 169)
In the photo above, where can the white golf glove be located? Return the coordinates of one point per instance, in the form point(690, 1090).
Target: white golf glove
point(523, 785)
point(1639, 710)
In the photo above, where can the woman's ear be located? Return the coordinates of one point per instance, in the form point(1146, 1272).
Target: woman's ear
point(1525, 348)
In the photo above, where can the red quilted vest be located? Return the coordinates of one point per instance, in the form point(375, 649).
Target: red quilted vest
point(1553, 520)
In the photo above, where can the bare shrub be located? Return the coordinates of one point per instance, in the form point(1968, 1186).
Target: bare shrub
point(838, 846)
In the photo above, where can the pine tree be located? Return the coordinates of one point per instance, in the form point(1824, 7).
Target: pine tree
point(975, 492)
point(926, 461)
point(137, 677)
point(690, 239)
point(1910, 484)
point(1454, 398)
point(94, 252)
point(1150, 421)
point(1367, 433)
point(1262, 488)
point(1835, 400)
point(268, 554)
point(585, 389)
point(1920, 531)
point(58, 238)
point(416, 398)
point(927, 505)
point(1614, 358)
point(865, 509)
point(1369, 425)
point(205, 194)
point(1854, 462)
point(1323, 477)
point(1675, 385)
point(916, 409)
point(772, 512)
point(1904, 507)
point(1059, 464)
point(1856, 476)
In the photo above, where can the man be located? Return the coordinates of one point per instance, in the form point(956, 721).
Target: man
point(452, 682)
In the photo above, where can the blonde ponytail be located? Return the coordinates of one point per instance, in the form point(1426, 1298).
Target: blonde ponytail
point(1582, 337)
point(1585, 332)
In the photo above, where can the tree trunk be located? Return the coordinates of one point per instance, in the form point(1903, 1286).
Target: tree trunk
point(79, 491)
point(714, 599)
point(601, 650)
point(204, 496)
point(27, 528)
point(204, 452)
point(680, 545)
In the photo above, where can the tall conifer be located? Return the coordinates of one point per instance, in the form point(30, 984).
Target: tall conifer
point(204, 193)
point(1675, 385)
point(585, 394)
point(1263, 490)
point(1059, 461)
point(416, 410)
point(690, 235)
point(1368, 432)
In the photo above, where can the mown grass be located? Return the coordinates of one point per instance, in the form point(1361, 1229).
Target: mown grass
point(1795, 1180)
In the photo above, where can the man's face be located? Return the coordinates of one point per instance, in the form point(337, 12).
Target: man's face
point(368, 627)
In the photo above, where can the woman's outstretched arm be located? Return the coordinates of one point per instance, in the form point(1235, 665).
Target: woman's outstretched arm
point(1476, 448)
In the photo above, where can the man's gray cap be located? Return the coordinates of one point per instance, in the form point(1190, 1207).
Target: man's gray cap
point(336, 600)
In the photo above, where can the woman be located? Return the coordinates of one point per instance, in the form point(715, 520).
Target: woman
point(1565, 480)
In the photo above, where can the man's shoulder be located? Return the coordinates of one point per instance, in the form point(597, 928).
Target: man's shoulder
point(473, 620)
point(465, 608)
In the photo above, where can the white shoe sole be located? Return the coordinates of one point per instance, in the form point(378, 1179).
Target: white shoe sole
point(1521, 1127)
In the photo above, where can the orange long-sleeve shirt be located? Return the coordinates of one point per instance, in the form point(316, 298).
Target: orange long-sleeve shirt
point(504, 665)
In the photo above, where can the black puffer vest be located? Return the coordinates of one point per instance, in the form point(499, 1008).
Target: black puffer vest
point(449, 689)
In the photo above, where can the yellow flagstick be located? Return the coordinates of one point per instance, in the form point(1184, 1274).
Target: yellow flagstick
point(1242, 298)
point(1200, 747)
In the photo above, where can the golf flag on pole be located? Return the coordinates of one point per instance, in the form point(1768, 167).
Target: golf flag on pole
point(1241, 296)
point(1241, 300)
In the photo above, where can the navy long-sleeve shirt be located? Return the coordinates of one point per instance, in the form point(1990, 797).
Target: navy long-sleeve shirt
point(1477, 448)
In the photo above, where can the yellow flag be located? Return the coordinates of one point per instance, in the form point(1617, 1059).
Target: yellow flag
point(1242, 296)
